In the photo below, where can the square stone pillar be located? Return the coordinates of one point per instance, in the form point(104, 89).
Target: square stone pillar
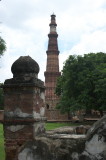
point(23, 106)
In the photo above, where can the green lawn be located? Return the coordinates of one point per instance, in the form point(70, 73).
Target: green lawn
point(51, 126)
point(2, 153)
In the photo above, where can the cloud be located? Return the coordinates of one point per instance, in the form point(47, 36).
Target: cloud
point(89, 43)
point(81, 26)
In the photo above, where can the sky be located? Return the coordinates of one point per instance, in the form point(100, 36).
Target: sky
point(81, 26)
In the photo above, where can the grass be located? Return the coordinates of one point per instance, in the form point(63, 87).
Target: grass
point(2, 153)
point(51, 126)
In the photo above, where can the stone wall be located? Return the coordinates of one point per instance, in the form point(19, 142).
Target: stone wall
point(1, 115)
point(55, 115)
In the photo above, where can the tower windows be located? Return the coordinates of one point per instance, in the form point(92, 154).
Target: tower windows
point(47, 106)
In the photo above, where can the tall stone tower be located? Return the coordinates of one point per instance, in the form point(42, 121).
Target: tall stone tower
point(52, 72)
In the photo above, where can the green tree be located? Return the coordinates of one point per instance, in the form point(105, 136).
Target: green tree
point(2, 49)
point(1, 98)
point(2, 46)
point(82, 84)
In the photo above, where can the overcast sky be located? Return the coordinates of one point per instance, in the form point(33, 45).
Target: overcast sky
point(81, 26)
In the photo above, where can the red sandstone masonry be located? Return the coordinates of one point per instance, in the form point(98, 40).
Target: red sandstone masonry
point(23, 106)
point(1, 115)
point(51, 75)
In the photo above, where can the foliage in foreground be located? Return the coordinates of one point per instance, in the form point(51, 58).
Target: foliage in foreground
point(2, 46)
point(2, 153)
point(1, 98)
point(82, 84)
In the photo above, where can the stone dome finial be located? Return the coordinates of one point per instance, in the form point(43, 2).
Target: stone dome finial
point(24, 65)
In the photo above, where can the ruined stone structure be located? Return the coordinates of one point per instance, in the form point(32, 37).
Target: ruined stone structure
point(64, 144)
point(52, 73)
point(95, 146)
point(23, 106)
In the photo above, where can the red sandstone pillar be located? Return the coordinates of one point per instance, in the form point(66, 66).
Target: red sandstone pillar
point(23, 106)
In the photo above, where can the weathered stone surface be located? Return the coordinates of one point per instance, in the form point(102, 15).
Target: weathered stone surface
point(23, 106)
point(25, 73)
point(98, 127)
point(81, 129)
point(23, 81)
point(25, 64)
point(1, 115)
point(53, 147)
point(95, 146)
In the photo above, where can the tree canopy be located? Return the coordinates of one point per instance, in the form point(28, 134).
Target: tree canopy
point(2, 49)
point(82, 84)
point(1, 97)
point(2, 46)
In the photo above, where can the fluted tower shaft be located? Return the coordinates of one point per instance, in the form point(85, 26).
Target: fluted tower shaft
point(52, 67)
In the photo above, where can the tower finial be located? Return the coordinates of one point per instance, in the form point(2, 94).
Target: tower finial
point(53, 14)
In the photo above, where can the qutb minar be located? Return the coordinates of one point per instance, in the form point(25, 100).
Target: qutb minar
point(52, 73)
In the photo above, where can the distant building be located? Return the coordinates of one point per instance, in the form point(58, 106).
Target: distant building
point(52, 73)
